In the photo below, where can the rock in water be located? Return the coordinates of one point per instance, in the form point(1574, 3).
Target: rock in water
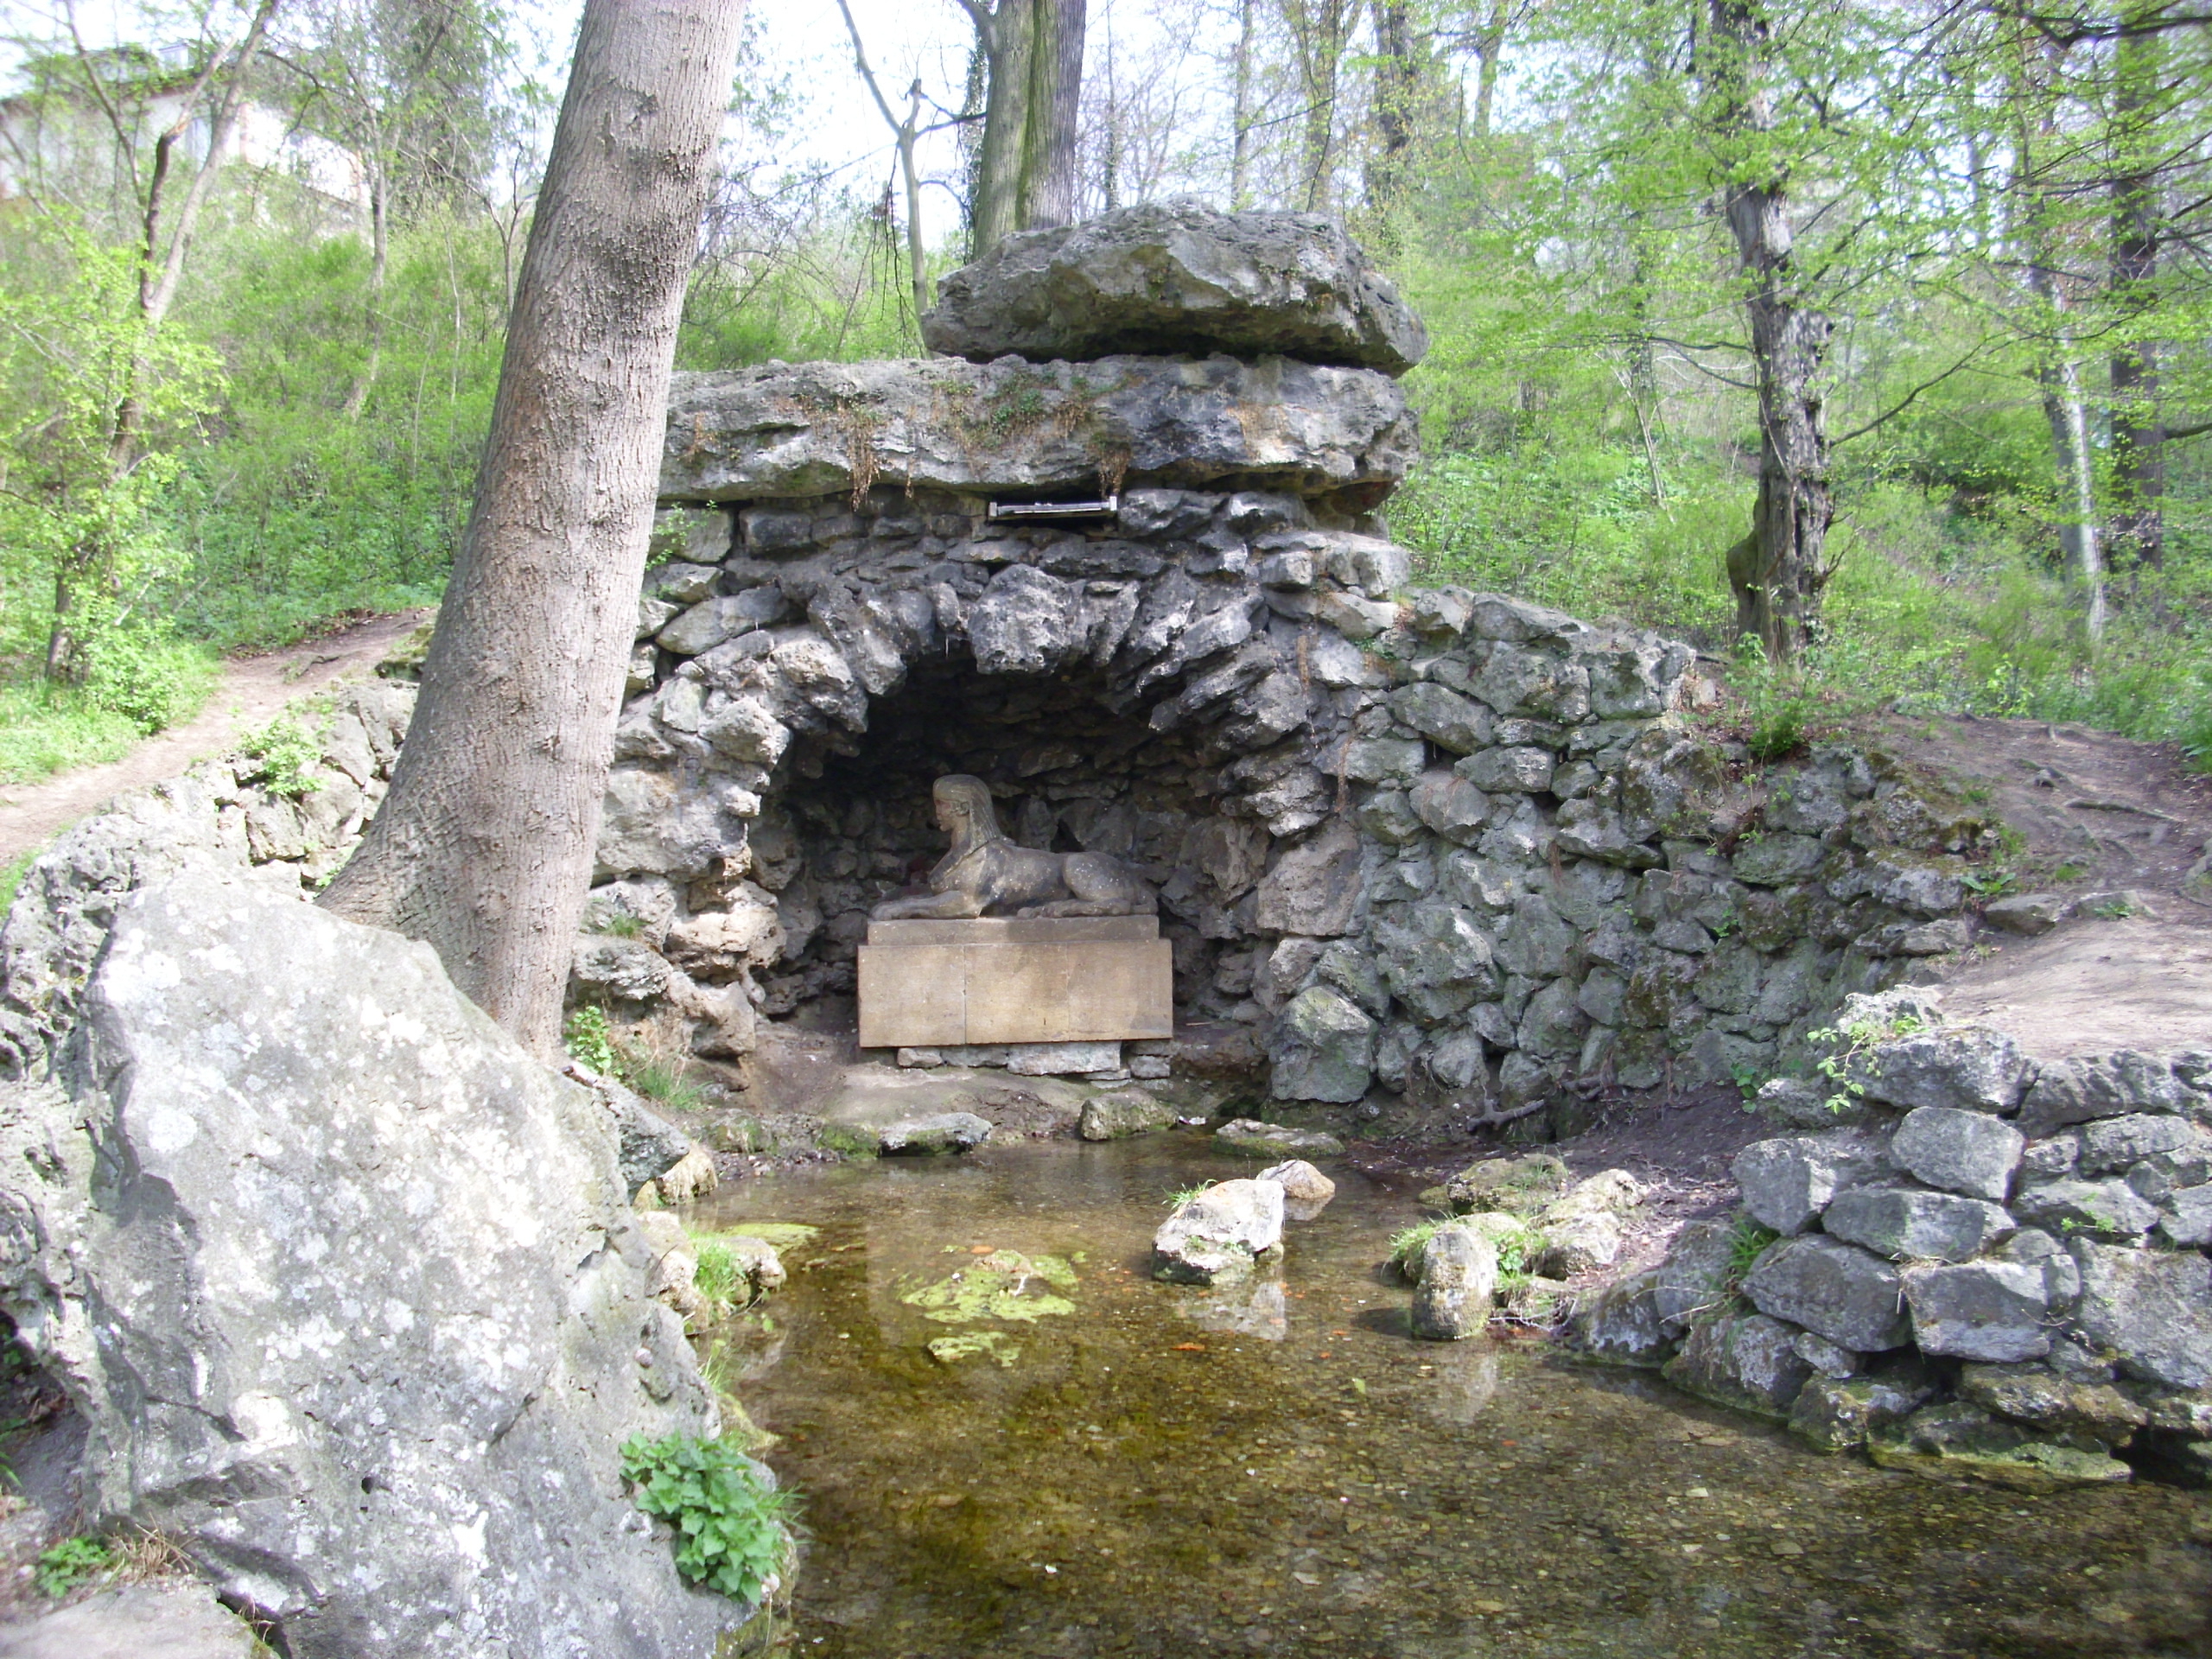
point(930, 1137)
point(1218, 1234)
point(1457, 1278)
point(1306, 1190)
point(1177, 276)
point(1250, 1135)
point(378, 1403)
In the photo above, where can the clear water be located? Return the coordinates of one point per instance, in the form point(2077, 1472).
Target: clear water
point(1168, 1471)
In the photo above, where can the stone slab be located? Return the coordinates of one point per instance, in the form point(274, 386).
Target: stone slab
point(1016, 930)
point(1030, 991)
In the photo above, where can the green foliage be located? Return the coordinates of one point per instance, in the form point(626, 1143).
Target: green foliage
point(287, 756)
point(11, 879)
point(663, 1081)
point(71, 1562)
point(590, 1042)
point(1747, 1241)
point(1182, 1196)
point(731, 1529)
point(1406, 1243)
point(47, 727)
point(719, 1279)
point(623, 925)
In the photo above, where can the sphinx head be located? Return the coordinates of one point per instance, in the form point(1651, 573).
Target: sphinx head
point(964, 810)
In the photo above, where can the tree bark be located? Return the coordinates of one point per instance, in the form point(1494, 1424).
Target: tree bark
point(1319, 32)
point(1775, 571)
point(2139, 457)
point(1240, 114)
point(484, 847)
point(1026, 171)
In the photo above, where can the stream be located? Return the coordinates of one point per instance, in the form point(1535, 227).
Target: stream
point(1093, 1463)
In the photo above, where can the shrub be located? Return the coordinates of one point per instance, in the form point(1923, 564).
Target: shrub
point(590, 1042)
point(286, 755)
point(731, 1527)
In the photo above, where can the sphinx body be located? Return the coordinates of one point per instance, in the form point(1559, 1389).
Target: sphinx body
point(986, 873)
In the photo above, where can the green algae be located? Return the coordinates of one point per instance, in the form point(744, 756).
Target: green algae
point(974, 1345)
point(1004, 1284)
point(778, 1235)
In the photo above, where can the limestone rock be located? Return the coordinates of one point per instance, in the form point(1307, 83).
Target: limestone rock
point(1521, 1185)
point(1177, 276)
point(1576, 1242)
point(1062, 1059)
point(1956, 1439)
point(1322, 1047)
point(2033, 1396)
point(2152, 1308)
point(1219, 1233)
point(308, 1327)
point(169, 1618)
point(1960, 1151)
point(794, 429)
point(673, 1277)
point(1836, 1414)
point(1743, 1361)
point(2087, 1087)
point(1314, 886)
point(648, 1145)
point(1695, 1275)
point(1903, 1222)
point(1967, 1068)
point(1987, 1310)
point(1306, 1190)
point(2116, 1143)
point(1452, 1289)
point(1118, 1115)
point(1256, 1139)
point(1788, 1181)
point(943, 1132)
point(1621, 1325)
point(2027, 914)
point(1833, 1289)
point(2110, 1207)
point(690, 1177)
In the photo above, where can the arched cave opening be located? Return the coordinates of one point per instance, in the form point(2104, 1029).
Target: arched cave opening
point(849, 823)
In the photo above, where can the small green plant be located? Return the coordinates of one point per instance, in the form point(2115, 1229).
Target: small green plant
point(1856, 1035)
point(1182, 1196)
point(1991, 883)
point(720, 1280)
point(2114, 910)
point(1407, 1244)
point(590, 1043)
point(732, 1532)
point(1748, 1082)
point(622, 925)
point(663, 1082)
point(1747, 1241)
point(2069, 872)
point(72, 1561)
point(287, 756)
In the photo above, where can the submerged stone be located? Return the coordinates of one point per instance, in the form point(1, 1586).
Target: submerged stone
point(1958, 1440)
point(1005, 1285)
point(1250, 1135)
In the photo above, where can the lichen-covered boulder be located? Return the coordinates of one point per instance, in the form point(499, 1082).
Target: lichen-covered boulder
point(1621, 1325)
point(380, 1405)
point(1963, 1152)
point(1903, 1221)
point(1955, 1438)
point(1967, 1068)
point(1989, 1310)
point(1122, 1114)
point(1306, 1191)
point(1177, 276)
point(1836, 1414)
point(1256, 1139)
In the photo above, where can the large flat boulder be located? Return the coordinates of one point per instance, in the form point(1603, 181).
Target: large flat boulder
point(1177, 276)
point(801, 429)
point(346, 1287)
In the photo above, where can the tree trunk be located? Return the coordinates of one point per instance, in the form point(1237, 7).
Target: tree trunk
point(2058, 376)
point(1397, 91)
point(1240, 117)
point(484, 847)
point(2138, 456)
point(1052, 140)
point(357, 399)
point(1008, 38)
point(1490, 48)
point(1319, 31)
point(1776, 571)
point(1025, 173)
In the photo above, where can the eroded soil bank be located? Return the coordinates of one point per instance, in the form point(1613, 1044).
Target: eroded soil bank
point(1282, 1469)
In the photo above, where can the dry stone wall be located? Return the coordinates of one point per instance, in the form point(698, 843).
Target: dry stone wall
point(1423, 844)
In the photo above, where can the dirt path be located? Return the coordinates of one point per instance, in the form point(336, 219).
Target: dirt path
point(252, 691)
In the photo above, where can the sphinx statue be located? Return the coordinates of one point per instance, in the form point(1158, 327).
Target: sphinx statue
point(987, 874)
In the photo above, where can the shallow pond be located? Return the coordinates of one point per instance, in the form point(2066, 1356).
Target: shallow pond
point(1120, 1466)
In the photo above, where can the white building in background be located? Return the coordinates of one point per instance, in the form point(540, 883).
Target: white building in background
point(60, 137)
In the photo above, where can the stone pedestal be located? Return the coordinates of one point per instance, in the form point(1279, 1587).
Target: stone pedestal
point(1075, 979)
